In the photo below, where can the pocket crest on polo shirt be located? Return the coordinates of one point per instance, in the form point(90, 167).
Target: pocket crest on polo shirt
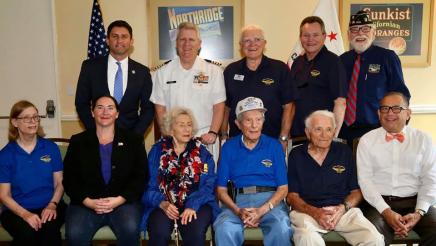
point(267, 163)
point(315, 73)
point(374, 68)
point(338, 169)
point(268, 81)
point(45, 158)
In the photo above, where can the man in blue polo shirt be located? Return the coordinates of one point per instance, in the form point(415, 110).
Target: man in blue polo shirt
point(372, 71)
point(256, 75)
point(319, 76)
point(323, 189)
point(255, 163)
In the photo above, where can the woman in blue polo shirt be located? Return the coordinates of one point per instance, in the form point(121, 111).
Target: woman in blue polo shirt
point(31, 181)
point(181, 187)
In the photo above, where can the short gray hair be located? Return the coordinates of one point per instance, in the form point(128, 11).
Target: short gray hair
point(251, 27)
point(188, 26)
point(171, 116)
point(326, 113)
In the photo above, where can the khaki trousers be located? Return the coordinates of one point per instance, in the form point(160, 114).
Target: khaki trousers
point(352, 226)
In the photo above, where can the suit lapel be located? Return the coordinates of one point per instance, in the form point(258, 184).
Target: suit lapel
point(103, 74)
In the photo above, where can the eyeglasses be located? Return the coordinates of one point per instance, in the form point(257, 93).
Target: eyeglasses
point(395, 109)
point(28, 119)
point(251, 41)
point(356, 29)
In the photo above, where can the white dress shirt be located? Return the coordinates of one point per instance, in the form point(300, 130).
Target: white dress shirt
point(174, 86)
point(112, 69)
point(397, 169)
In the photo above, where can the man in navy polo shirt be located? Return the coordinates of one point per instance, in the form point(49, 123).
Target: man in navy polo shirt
point(319, 76)
point(323, 189)
point(256, 75)
point(255, 163)
point(372, 71)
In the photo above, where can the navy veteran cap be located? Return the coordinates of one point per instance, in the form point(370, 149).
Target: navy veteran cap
point(360, 18)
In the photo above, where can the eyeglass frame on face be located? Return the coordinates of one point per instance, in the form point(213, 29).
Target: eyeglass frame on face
point(249, 41)
point(28, 119)
point(395, 109)
point(357, 29)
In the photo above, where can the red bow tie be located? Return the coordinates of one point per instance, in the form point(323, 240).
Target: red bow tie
point(398, 136)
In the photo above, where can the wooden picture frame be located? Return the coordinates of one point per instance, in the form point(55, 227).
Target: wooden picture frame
point(219, 22)
point(404, 26)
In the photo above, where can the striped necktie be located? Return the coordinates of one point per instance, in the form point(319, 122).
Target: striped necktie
point(350, 112)
point(118, 85)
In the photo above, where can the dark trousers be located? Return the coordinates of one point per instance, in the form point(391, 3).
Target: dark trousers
point(23, 234)
point(425, 228)
point(160, 228)
point(82, 223)
point(352, 132)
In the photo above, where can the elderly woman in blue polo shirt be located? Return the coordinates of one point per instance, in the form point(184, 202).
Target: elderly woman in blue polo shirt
point(30, 181)
point(181, 185)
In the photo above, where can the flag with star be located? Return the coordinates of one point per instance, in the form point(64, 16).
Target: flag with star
point(326, 10)
point(97, 36)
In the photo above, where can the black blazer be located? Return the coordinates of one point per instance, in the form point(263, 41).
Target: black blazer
point(82, 167)
point(93, 84)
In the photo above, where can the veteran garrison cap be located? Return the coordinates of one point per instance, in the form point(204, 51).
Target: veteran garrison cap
point(360, 18)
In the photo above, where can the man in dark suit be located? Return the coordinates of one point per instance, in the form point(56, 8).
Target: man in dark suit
point(117, 75)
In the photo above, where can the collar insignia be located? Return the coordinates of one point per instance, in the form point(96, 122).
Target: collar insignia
point(338, 169)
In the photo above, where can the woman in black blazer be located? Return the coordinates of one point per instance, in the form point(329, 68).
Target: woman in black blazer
point(105, 170)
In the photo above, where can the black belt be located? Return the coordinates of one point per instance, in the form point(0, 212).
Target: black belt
point(255, 189)
point(398, 198)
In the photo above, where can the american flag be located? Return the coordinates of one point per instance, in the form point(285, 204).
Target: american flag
point(97, 36)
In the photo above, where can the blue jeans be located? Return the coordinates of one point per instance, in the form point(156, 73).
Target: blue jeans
point(275, 225)
point(82, 223)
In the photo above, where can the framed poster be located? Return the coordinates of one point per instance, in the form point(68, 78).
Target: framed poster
point(218, 21)
point(404, 26)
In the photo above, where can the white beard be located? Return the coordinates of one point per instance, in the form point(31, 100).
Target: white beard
point(360, 47)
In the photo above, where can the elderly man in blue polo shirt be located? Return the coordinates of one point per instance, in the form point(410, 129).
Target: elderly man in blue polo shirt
point(255, 163)
point(323, 188)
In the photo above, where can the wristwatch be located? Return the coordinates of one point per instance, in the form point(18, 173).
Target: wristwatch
point(284, 138)
point(347, 206)
point(271, 206)
point(420, 212)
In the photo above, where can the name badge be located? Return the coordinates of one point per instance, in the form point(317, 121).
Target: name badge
point(171, 82)
point(239, 77)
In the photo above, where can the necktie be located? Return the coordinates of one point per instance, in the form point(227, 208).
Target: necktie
point(118, 85)
point(398, 136)
point(350, 112)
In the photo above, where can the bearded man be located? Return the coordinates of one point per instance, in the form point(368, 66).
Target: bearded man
point(372, 71)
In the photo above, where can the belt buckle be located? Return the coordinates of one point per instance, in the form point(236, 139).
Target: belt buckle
point(249, 189)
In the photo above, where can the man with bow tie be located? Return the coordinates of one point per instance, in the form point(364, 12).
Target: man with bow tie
point(397, 174)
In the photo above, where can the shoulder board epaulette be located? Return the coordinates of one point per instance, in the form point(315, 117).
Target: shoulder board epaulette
point(214, 62)
point(160, 65)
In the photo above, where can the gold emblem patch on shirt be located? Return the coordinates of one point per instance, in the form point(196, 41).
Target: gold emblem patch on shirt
point(267, 163)
point(374, 68)
point(267, 81)
point(338, 169)
point(315, 73)
point(45, 158)
point(205, 168)
point(201, 78)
